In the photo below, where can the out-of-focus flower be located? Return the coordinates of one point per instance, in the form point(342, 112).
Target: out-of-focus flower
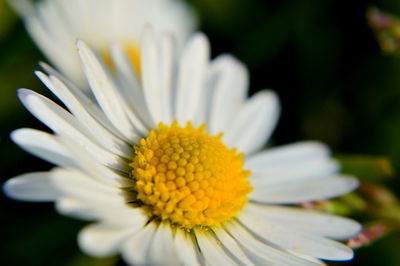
point(197, 188)
point(386, 28)
point(106, 25)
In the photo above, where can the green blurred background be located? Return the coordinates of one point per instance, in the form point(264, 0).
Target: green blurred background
point(334, 82)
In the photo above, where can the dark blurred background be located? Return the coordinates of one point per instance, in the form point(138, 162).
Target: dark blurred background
point(321, 57)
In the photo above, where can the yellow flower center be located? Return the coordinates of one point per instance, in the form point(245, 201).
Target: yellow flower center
point(132, 50)
point(186, 176)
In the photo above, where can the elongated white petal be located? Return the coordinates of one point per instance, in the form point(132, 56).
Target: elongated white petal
point(254, 124)
point(31, 187)
point(62, 122)
point(263, 253)
point(103, 136)
point(212, 252)
point(162, 250)
point(304, 191)
point(295, 172)
point(103, 240)
point(73, 183)
point(42, 145)
point(234, 249)
point(150, 65)
point(129, 85)
point(303, 220)
point(281, 156)
point(230, 87)
point(188, 253)
point(297, 241)
point(135, 249)
point(120, 215)
point(167, 74)
point(191, 71)
point(90, 165)
point(105, 91)
point(90, 105)
point(76, 208)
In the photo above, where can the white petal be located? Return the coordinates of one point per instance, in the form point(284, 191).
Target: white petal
point(317, 168)
point(162, 250)
point(297, 241)
point(103, 136)
point(105, 91)
point(42, 145)
point(303, 220)
point(74, 183)
point(150, 65)
point(76, 208)
point(254, 124)
point(191, 71)
point(129, 85)
point(304, 190)
point(167, 70)
point(62, 122)
point(90, 105)
point(188, 253)
point(103, 240)
point(230, 85)
point(212, 252)
point(262, 253)
point(121, 215)
point(283, 155)
point(136, 248)
point(31, 187)
point(67, 62)
point(234, 249)
point(92, 167)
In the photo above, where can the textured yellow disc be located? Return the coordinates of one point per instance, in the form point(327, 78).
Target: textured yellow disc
point(186, 176)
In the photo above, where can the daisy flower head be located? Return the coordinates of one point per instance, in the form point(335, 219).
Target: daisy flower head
point(55, 25)
point(170, 165)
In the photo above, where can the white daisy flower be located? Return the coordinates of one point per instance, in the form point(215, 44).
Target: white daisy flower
point(55, 25)
point(170, 166)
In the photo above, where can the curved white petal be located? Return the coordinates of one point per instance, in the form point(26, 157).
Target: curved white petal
point(162, 250)
point(102, 135)
point(188, 253)
point(90, 104)
point(262, 253)
point(304, 190)
point(31, 187)
point(42, 145)
point(136, 248)
point(121, 214)
point(105, 92)
point(212, 252)
point(297, 241)
point(62, 122)
point(229, 86)
point(283, 155)
point(234, 249)
point(303, 220)
point(74, 183)
point(317, 168)
point(192, 68)
point(92, 167)
point(254, 123)
point(150, 65)
point(129, 85)
point(102, 240)
point(168, 50)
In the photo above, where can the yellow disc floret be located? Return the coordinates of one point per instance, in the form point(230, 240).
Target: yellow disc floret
point(186, 176)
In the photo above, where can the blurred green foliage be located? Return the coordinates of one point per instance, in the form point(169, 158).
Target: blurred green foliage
point(322, 59)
